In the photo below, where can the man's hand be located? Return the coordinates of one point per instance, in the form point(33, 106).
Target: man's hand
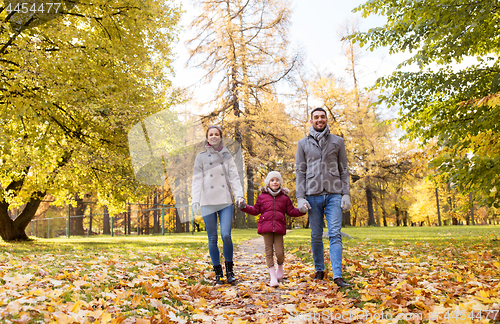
point(303, 205)
point(346, 202)
point(303, 209)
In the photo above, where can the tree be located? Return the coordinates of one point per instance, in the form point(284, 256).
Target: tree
point(373, 154)
point(456, 104)
point(274, 153)
point(359, 215)
point(76, 223)
point(373, 151)
point(69, 91)
point(243, 45)
point(423, 209)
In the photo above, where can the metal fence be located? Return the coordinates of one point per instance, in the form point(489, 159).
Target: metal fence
point(162, 219)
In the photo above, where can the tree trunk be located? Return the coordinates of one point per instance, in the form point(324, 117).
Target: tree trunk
point(250, 188)
point(405, 218)
point(156, 223)
point(129, 222)
point(146, 218)
point(437, 206)
point(139, 219)
point(77, 217)
point(250, 195)
point(384, 216)
point(369, 203)
point(14, 230)
point(125, 216)
point(240, 218)
point(106, 229)
point(451, 206)
point(398, 223)
point(384, 212)
point(346, 218)
point(376, 214)
point(89, 230)
point(178, 224)
point(471, 209)
point(8, 231)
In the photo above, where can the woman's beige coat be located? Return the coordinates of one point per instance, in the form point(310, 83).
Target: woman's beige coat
point(210, 186)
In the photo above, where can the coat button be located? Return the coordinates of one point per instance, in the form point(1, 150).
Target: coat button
point(210, 163)
point(222, 174)
point(212, 187)
point(211, 175)
point(222, 186)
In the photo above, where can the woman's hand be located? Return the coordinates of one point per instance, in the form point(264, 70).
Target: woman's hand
point(196, 208)
point(241, 203)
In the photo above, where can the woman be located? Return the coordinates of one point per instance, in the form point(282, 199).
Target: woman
point(215, 178)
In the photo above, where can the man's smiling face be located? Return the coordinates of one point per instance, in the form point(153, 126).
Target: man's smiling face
point(319, 120)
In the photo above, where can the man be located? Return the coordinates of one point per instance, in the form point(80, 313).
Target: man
point(323, 188)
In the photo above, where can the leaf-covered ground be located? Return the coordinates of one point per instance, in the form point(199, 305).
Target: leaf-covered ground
point(426, 275)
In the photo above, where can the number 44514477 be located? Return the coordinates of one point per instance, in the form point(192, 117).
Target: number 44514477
point(26, 7)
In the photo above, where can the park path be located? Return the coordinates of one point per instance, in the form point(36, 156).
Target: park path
point(298, 299)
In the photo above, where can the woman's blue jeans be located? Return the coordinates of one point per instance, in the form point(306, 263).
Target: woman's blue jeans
point(329, 207)
point(226, 223)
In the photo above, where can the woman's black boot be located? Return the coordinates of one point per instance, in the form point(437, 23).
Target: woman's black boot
point(229, 273)
point(218, 274)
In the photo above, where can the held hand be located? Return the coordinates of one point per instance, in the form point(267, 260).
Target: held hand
point(346, 202)
point(303, 209)
point(196, 208)
point(303, 203)
point(241, 203)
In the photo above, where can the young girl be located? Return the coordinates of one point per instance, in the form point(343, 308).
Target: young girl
point(273, 203)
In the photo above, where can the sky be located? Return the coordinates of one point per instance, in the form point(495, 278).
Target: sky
point(314, 29)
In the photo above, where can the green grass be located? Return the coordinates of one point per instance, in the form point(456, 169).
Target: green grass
point(404, 235)
point(434, 235)
point(182, 244)
point(424, 238)
point(176, 243)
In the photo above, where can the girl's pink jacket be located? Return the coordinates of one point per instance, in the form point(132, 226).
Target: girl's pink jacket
point(272, 210)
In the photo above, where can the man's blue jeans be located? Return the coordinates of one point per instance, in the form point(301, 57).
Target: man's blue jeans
point(226, 223)
point(328, 206)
